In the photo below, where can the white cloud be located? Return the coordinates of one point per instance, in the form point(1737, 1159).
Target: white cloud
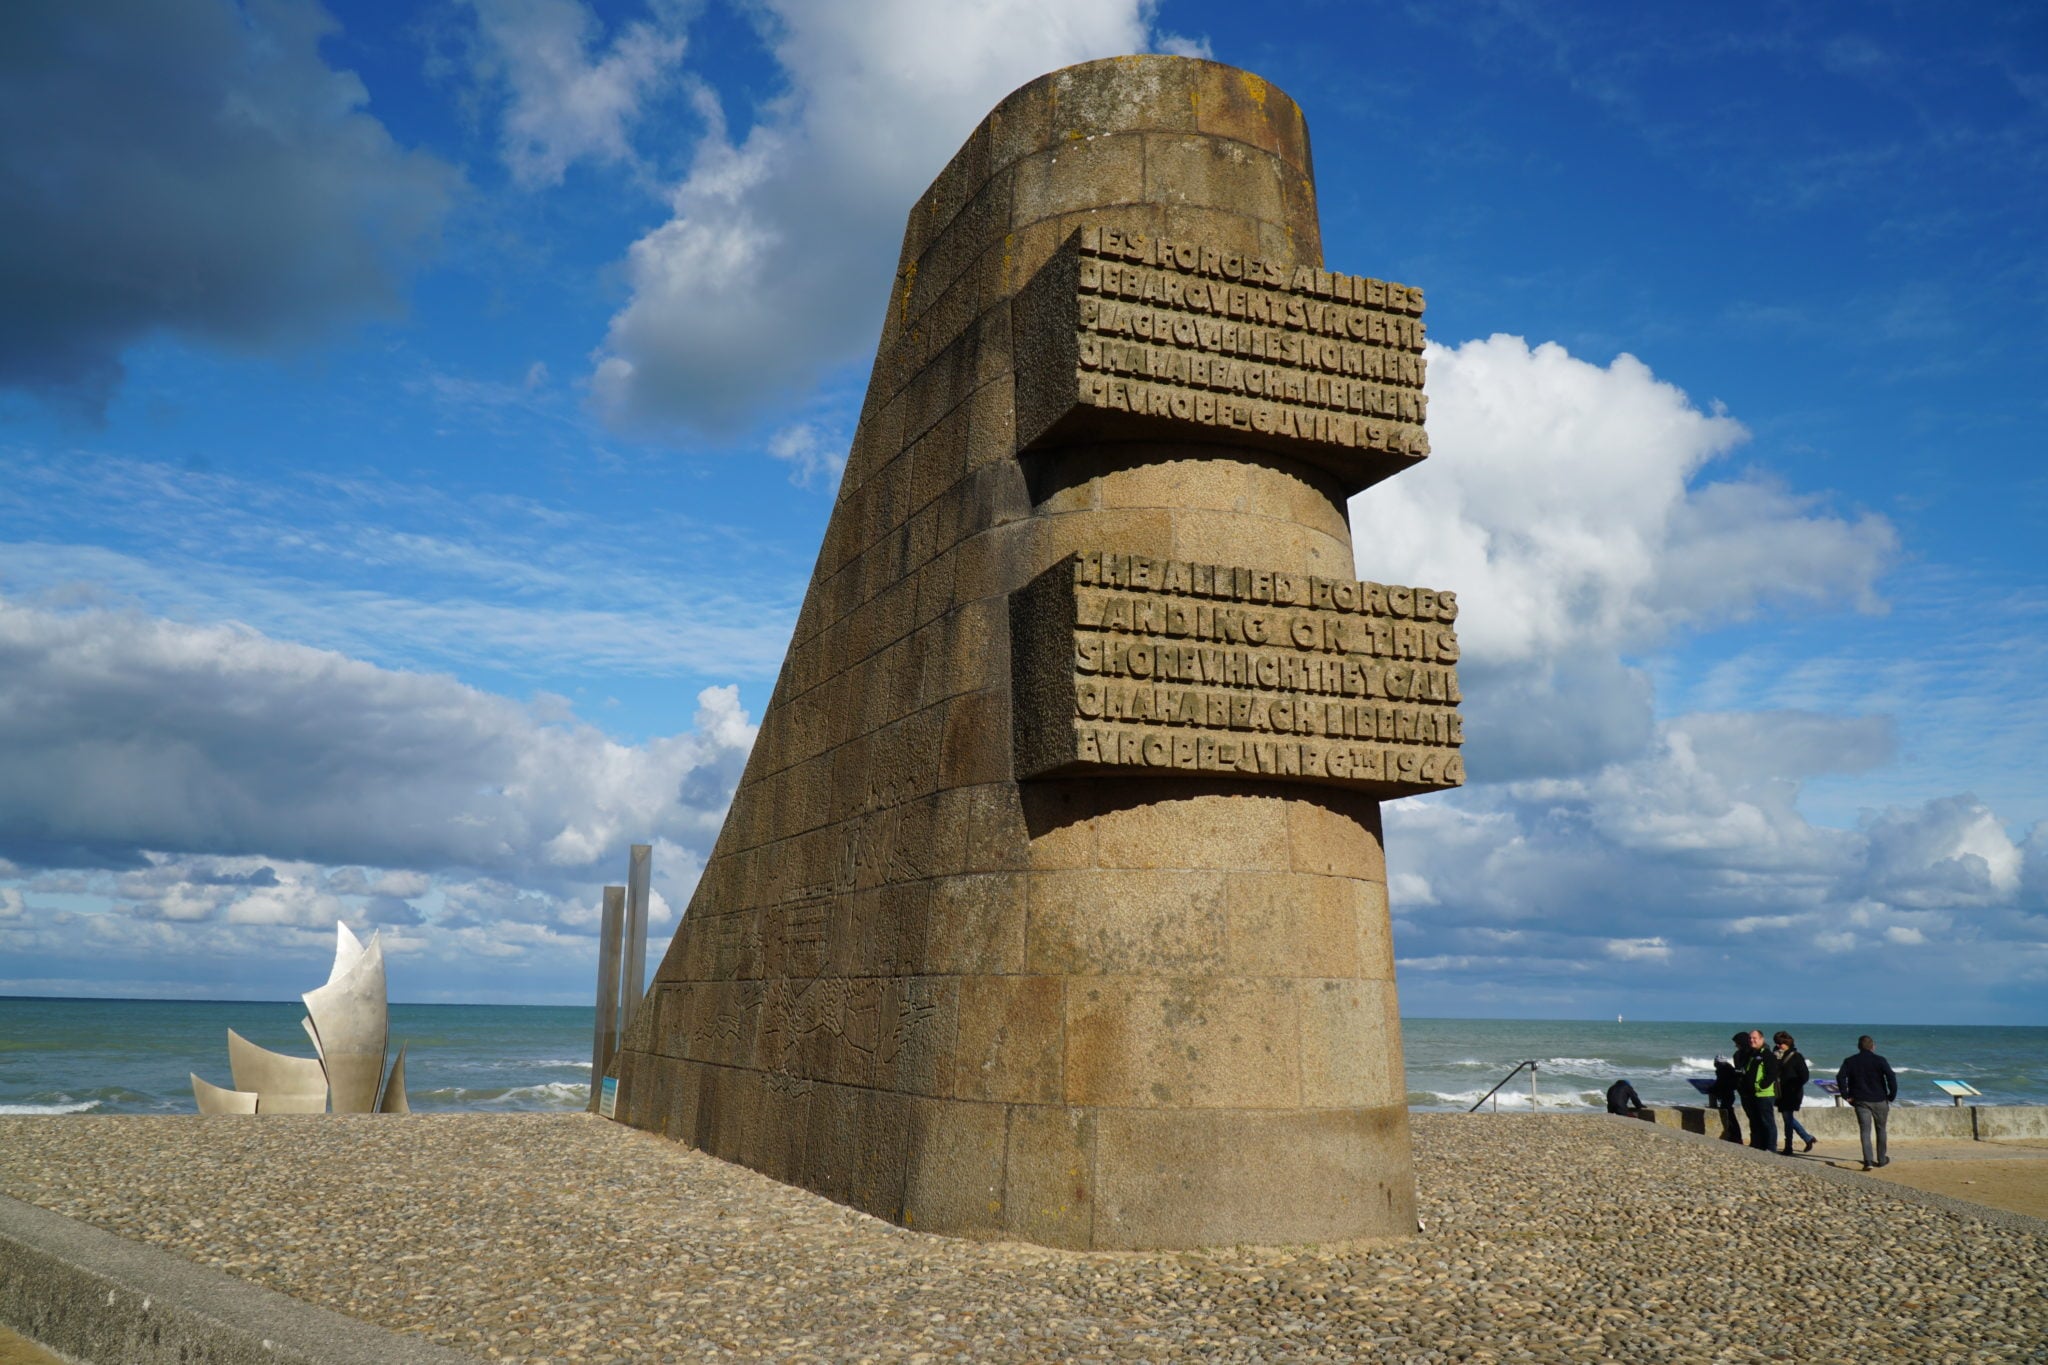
point(565, 102)
point(1180, 45)
point(400, 573)
point(1695, 852)
point(194, 807)
point(1639, 949)
point(800, 217)
point(1946, 853)
point(1406, 890)
point(1564, 505)
point(122, 735)
point(814, 458)
point(218, 181)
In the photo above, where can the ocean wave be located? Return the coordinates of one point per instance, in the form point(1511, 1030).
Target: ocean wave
point(72, 1107)
point(1508, 1099)
point(580, 1066)
point(544, 1095)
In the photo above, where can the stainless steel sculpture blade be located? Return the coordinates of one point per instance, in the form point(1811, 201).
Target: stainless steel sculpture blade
point(348, 950)
point(311, 1032)
point(394, 1100)
point(282, 1084)
point(214, 1100)
point(349, 1019)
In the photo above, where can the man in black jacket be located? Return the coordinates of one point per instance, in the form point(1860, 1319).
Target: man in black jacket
point(1868, 1082)
point(1758, 1068)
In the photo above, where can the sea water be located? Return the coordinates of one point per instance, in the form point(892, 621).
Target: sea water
point(136, 1056)
point(1452, 1063)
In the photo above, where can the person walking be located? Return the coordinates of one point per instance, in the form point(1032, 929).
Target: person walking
point(1793, 1074)
point(1758, 1067)
point(1869, 1083)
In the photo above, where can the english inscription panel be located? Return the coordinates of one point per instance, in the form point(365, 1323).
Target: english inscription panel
point(1139, 664)
point(1139, 336)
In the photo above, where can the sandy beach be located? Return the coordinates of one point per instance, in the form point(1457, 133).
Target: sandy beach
point(16, 1349)
point(1547, 1238)
point(2010, 1175)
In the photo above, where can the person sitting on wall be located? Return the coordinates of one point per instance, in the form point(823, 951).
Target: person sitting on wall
point(1622, 1099)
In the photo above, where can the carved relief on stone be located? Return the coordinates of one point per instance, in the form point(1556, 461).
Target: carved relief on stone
point(1128, 662)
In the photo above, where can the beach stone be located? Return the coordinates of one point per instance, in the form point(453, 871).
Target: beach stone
point(483, 1233)
point(1051, 905)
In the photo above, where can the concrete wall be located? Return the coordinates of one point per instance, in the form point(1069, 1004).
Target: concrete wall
point(88, 1295)
point(1837, 1123)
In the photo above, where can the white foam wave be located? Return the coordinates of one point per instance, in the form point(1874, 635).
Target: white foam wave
point(1508, 1099)
point(544, 1095)
point(578, 1091)
point(74, 1107)
point(580, 1066)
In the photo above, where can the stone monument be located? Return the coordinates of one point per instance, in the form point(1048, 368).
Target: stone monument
point(1051, 905)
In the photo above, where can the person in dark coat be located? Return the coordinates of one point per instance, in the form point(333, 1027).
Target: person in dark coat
point(1727, 1082)
point(1868, 1082)
point(1793, 1074)
point(1758, 1067)
point(1622, 1099)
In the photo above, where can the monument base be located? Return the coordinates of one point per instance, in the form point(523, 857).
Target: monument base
point(1096, 1179)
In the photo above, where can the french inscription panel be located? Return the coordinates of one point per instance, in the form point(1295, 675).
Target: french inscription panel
point(1135, 663)
point(1129, 332)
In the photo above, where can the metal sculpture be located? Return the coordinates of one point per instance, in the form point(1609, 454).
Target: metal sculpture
point(214, 1100)
point(285, 1084)
point(347, 1021)
point(348, 1015)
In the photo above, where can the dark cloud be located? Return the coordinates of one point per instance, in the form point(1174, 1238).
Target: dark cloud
point(1556, 717)
point(192, 167)
point(389, 910)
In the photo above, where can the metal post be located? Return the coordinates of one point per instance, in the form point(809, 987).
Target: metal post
point(606, 1040)
point(633, 979)
point(1532, 1087)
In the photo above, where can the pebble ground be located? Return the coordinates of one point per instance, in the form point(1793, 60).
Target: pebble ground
point(564, 1237)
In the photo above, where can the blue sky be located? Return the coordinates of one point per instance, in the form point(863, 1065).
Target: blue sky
point(417, 424)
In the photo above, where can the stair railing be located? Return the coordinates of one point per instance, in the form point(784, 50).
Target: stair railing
point(1503, 1081)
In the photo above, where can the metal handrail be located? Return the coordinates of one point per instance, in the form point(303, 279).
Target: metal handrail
point(1504, 1080)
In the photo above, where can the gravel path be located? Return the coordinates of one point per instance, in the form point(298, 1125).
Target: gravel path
point(1550, 1238)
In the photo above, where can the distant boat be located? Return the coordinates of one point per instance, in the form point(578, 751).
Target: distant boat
point(1617, 1018)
